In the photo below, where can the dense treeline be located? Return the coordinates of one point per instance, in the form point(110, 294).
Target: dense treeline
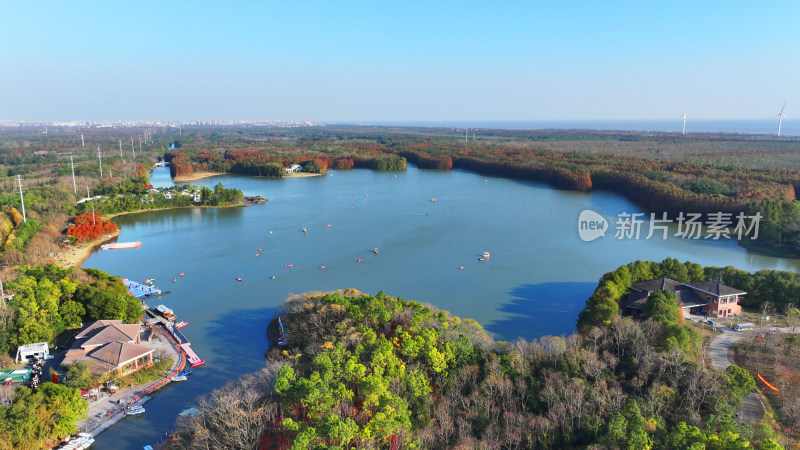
point(767, 290)
point(50, 299)
point(39, 419)
point(174, 197)
point(672, 184)
point(361, 371)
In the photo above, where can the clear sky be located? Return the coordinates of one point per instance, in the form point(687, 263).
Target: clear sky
point(399, 60)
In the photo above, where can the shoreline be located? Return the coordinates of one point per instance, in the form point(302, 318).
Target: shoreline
point(76, 256)
point(196, 176)
point(302, 175)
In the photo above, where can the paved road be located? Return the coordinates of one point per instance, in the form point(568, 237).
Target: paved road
point(752, 409)
point(720, 345)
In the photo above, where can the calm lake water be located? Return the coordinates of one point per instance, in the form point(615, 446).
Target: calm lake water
point(535, 283)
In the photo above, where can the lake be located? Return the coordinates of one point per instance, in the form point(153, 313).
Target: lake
point(536, 281)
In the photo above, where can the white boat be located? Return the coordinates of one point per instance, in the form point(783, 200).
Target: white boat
point(121, 245)
point(135, 410)
point(486, 255)
point(179, 378)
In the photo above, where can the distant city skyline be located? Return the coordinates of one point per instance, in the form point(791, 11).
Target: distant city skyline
point(367, 62)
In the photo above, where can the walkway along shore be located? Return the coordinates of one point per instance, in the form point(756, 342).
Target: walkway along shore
point(108, 417)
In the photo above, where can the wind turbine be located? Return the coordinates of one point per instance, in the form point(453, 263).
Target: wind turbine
point(781, 116)
point(683, 116)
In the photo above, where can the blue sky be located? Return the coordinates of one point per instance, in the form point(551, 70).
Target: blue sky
point(383, 61)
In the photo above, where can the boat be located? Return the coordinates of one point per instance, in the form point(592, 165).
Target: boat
point(462, 267)
point(270, 231)
point(79, 442)
point(375, 250)
point(433, 200)
point(257, 254)
point(486, 255)
point(305, 231)
point(330, 224)
point(185, 373)
point(272, 277)
point(288, 266)
point(166, 312)
point(181, 274)
point(322, 267)
point(198, 363)
point(179, 378)
point(135, 410)
point(360, 260)
point(121, 245)
point(181, 324)
point(238, 279)
point(259, 250)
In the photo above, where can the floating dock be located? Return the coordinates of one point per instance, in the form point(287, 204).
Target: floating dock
point(142, 291)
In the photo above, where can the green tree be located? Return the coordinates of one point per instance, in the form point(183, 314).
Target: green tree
point(78, 375)
point(662, 306)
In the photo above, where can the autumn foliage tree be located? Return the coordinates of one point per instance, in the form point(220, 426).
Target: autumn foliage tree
point(90, 226)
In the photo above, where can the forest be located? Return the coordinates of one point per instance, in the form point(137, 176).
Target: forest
point(363, 371)
point(50, 300)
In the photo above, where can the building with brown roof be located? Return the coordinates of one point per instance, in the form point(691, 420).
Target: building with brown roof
point(699, 297)
point(110, 346)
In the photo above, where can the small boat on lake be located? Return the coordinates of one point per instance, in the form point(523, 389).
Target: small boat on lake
point(462, 267)
point(182, 274)
point(360, 260)
point(288, 266)
point(135, 410)
point(198, 363)
point(179, 378)
point(238, 279)
point(375, 250)
point(185, 373)
point(121, 245)
point(257, 255)
point(181, 324)
point(322, 267)
point(486, 255)
point(272, 277)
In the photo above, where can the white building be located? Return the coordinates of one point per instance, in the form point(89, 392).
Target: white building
point(294, 168)
point(37, 349)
